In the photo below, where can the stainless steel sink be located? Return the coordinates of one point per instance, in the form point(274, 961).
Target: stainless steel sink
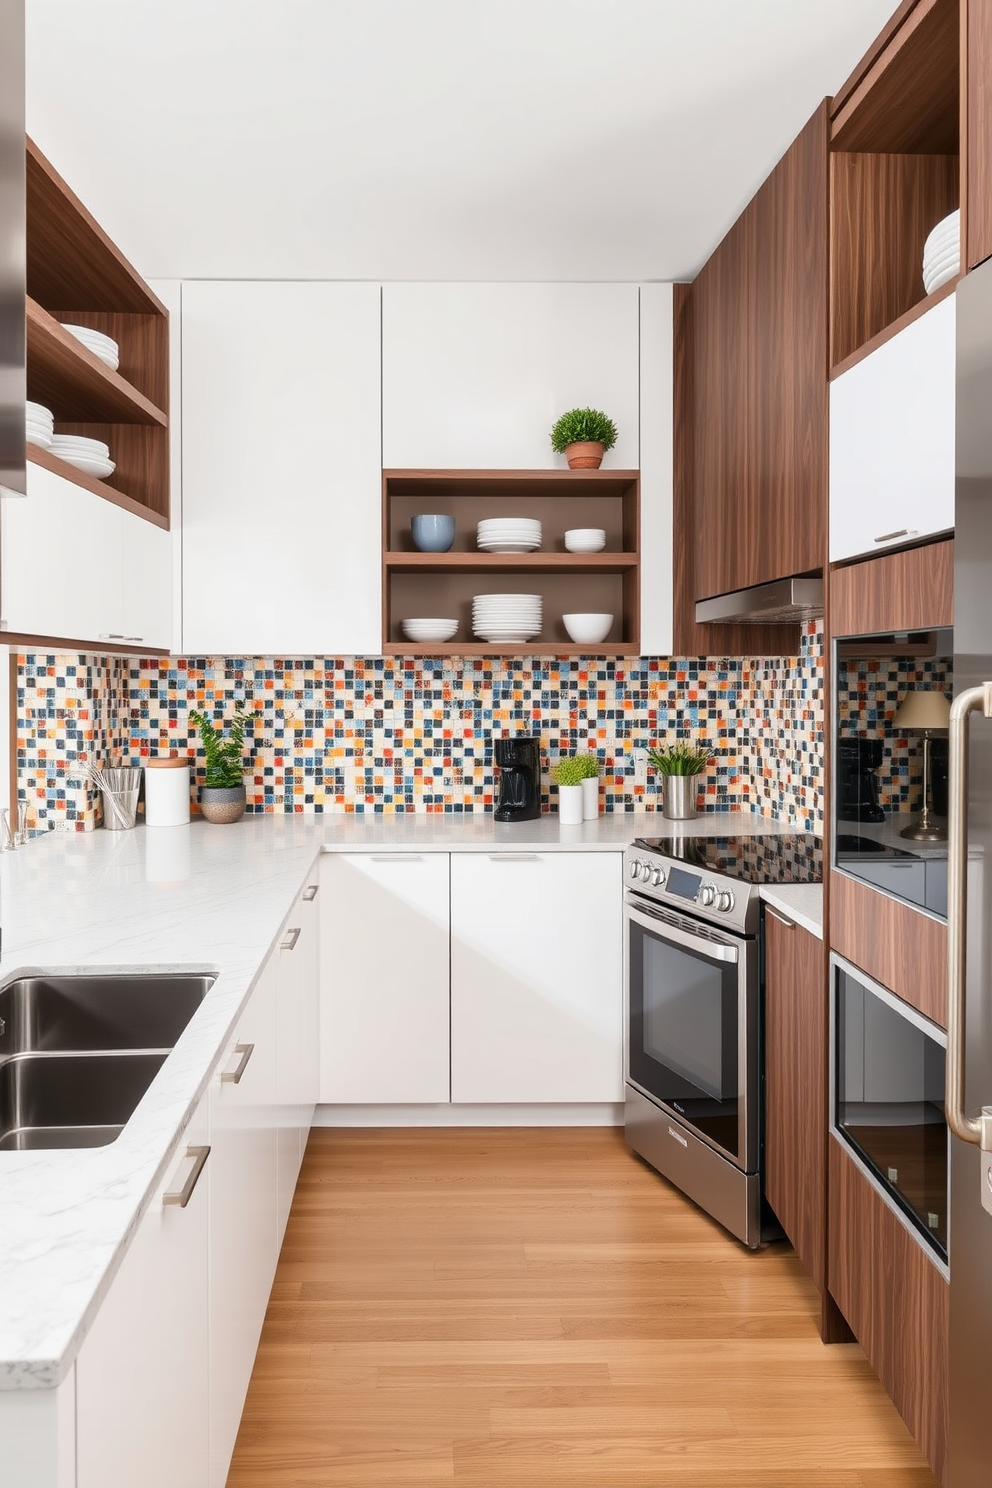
point(71, 1100)
point(89, 1012)
point(77, 1053)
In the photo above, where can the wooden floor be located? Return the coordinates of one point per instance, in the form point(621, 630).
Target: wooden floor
point(530, 1307)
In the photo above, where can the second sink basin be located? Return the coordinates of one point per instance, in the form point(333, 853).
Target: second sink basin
point(71, 1100)
point(98, 1011)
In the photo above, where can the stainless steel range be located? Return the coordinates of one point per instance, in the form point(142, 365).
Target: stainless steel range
point(692, 914)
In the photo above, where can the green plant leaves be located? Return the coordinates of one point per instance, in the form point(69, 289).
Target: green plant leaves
point(680, 758)
point(581, 424)
point(224, 757)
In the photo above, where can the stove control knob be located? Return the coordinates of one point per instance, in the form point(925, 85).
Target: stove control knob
point(707, 895)
point(725, 901)
point(645, 872)
point(658, 878)
point(635, 868)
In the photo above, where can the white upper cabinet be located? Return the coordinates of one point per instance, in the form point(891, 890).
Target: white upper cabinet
point(474, 375)
point(892, 440)
point(146, 609)
point(281, 479)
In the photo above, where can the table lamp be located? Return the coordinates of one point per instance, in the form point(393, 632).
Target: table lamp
point(931, 712)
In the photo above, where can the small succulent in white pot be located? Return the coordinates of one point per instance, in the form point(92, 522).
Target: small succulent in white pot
point(568, 775)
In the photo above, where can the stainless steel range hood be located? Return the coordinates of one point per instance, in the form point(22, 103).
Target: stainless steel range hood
point(13, 233)
point(783, 602)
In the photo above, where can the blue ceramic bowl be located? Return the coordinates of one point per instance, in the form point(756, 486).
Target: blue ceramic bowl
point(433, 534)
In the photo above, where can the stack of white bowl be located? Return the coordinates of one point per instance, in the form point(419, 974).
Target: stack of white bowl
point(585, 539)
point(506, 618)
point(91, 456)
point(509, 535)
point(425, 628)
point(942, 253)
point(104, 347)
point(39, 424)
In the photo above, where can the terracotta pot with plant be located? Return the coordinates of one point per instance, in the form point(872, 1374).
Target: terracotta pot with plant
point(583, 435)
point(222, 794)
point(681, 764)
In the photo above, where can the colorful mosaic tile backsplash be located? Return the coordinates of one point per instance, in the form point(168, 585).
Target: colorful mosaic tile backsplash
point(868, 694)
point(355, 734)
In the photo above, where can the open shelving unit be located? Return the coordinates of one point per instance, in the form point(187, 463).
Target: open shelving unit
point(415, 583)
point(75, 274)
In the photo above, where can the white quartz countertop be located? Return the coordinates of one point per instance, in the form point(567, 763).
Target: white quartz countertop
point(203, 898)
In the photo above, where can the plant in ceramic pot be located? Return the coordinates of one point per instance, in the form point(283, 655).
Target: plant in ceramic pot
point(583, 435)
point(222, 795)
point(568, 775)
point(590, 785)
point(681, 764)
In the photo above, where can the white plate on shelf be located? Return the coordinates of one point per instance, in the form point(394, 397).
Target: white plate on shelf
point(36, 436)
point(509, 547)
point(80, 444)
point(930, 285)
point(89, 466)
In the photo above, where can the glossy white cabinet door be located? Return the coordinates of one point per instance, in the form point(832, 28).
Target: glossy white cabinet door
point(61, 561)
point(309, 952)
point(243, 1246)
point(474, 375)
point(536, 977)
point(146, 614)
point(281, 480)
point(292, 965)
point(892, 440)
point(384, 978)
point(142, 1373)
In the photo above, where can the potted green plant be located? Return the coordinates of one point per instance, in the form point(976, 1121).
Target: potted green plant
point(590, 785)
point(583, 435)
point(681, 764)
point(568, 775)
point(222, 794)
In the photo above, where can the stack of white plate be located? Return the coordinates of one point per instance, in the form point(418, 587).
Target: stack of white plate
point(425, 628)
point(91, 456)
point(39, 424)
point(509, 535)
point(506, 617)
point(104, 347)
point(942, 253)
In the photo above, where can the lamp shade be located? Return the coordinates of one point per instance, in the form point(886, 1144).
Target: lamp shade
point(925, 709)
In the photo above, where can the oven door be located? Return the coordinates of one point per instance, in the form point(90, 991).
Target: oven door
point(692, 1026)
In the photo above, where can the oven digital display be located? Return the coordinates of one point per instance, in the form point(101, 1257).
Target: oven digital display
point(683, 885)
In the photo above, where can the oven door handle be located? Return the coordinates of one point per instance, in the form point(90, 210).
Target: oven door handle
point(661, 926)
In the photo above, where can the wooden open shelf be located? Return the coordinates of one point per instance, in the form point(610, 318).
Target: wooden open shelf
point(895, 135)
point(608, 582)
point(75, 274)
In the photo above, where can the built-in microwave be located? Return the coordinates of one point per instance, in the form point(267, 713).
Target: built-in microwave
point(887, 1100)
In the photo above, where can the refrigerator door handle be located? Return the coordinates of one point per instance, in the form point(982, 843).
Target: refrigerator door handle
point(975, 1129)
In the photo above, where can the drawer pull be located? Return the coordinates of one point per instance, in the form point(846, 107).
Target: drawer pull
point(233, 1077)
point(903, 532)
point(513, 858)
point(789, 924)
point(183, 1196)
point(397, 857)
point(289, 944)
point(310, 892)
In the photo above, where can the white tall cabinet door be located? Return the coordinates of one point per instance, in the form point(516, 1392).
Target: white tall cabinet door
point(384, 967)
point(536, 977)
point(281, 480)
point(142, 1375)
point(61, 561)
point(146, 606)
point(892, 440)
point(293, 961)
point(243, 1244)
point(474, 375)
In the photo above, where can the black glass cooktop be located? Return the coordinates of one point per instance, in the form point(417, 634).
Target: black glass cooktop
point(787, 857)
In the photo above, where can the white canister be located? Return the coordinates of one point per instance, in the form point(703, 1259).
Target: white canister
point(167, 792)
point(590, 798)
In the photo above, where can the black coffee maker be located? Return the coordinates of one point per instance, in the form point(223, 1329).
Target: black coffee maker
point(857, 788)
point(518, 759)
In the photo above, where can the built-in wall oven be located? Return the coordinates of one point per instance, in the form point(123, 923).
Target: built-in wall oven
point(693, 1010)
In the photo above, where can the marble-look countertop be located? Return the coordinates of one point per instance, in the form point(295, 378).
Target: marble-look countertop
point(202, 898)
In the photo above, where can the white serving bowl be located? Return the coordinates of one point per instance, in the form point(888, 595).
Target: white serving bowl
point(587, 630)
point(429, 629)
point(585, 539)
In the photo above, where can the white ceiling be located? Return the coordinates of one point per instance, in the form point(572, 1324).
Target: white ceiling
point(428, 139)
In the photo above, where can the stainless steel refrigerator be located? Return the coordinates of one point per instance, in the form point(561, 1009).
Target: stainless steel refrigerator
point(969, 1054)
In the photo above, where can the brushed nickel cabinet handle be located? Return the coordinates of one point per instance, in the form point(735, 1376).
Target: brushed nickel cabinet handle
point(310, 892)
point(397, 857)
point(514, 858)
point(184, 1194)
point(903, 532)
point(789, 924)
point(289, 944)
point(233, 1077)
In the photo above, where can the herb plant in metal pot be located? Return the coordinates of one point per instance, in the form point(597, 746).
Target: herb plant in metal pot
point(222, 794)
point(583, 435)
point(681, 764)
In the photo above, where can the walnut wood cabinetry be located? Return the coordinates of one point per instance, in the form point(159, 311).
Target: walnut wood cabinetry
point(416, 583)
point(895, 1299)
point(751, 395)
point(795, 1087)
point(76, 275)
point(977, 167)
